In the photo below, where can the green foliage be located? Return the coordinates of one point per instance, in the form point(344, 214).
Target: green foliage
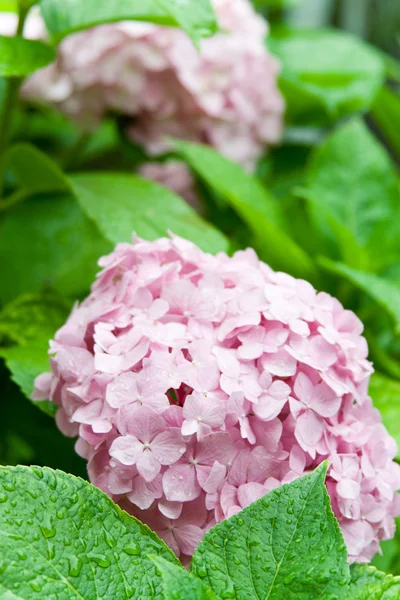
point(26, 325)
point(258, 209)
point(143, 207)
point(386, 114)
point(8, 5)
point(285, 546)
point(33, 171)
point(346, 174)
point(326, 74)
point(54, 245)
point(178, 583)
point(384, 292)
point(196, 17)
point(20, 57)
point(369, 584)
point(385, 393)
point(71, 541)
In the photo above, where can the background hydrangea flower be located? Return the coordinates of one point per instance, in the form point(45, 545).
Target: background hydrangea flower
point(225, 95)
point(194, 392)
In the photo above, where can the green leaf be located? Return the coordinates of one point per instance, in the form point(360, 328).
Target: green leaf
point(53, 244)
point(32, 315)
point(25, 363)
point(351, 177)
point(386, 114)
point(389, 561)
point(327, 73)
point(383, 291)
point(369, 584)
point(20, 57)
point(385, 393)
point(8, 5)
point(253, 203)
point(196, 17)
point(30, 321)
point(63, 538)
point(34, 171)
point(179, 584)
point(121, 204)
point(285, 546)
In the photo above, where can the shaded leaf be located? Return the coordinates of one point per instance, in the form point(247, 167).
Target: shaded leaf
point(20, 57)
point(369, 584)
point(33, 170)
point(385, 393)
point(121, 204)
point(351, 177)
point(326, 74)
point(196, 17)
point(53, 244)
point(383, 291)
point(253, 203)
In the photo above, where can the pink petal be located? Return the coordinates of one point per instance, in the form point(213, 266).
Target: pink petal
point(215, 447)
point(171, 510)
point(280, 363)
point(188, 538)
point(168, 446)
point(147, 465)
point(268, 407)
point(190, 427)
point(127, 449)
point(214, 479)
point(347, 488)
point(122, 390)
point(309, 430)
point(180, 483)
point(250, 492)
point(324, 401)
point(303, 388)
point(142, 422)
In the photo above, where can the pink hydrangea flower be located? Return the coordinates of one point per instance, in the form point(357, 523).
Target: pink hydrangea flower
point(198, 383)
point(226, 95)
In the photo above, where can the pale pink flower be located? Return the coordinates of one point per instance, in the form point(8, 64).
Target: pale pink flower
point(145, 443)
point(196, 384)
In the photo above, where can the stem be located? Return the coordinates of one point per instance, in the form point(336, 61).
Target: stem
point(11, 96)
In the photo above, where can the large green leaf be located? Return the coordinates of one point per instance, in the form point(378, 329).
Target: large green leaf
point(369, 584)
point(326, 74)
point(258, 209)
point(61, 538)
point(286, 546)
point(383, 291)
point(20, 57)
point(34, 171)
point(178, 584)
point(121, 204)
point(351, 177)
point(48, 241)
point(196, 17)
point(385, 392)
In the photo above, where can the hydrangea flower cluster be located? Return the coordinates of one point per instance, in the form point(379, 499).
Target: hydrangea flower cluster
point(198, 383)
point(225, 95)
